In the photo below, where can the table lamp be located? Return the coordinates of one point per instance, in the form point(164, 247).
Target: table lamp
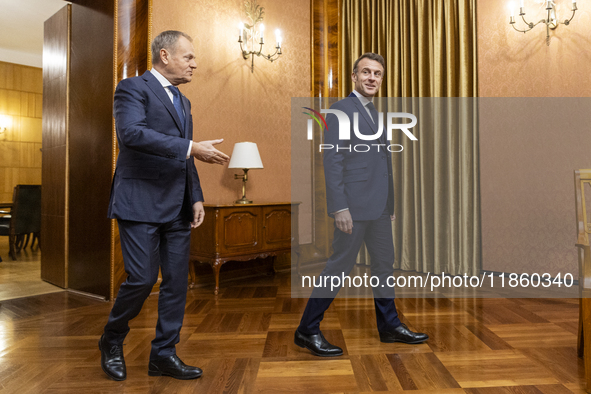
point(246, 156)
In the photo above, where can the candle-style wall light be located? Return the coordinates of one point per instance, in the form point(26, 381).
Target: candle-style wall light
point(5, 123)
point(252, 35)
point(551, 20)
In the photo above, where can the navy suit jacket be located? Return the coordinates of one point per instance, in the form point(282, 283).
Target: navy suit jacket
point(153, 175)
point(360, 181)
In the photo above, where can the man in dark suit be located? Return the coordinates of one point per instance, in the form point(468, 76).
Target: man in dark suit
point(156, 198)
point(360, 196)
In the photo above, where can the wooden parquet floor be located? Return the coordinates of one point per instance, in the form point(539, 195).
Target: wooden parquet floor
point(243, 340)
point(22, 278)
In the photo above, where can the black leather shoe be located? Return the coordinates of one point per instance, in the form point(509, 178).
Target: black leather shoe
point(404, 335)
point(174, 367)
point(112, 360)
point(317, 344)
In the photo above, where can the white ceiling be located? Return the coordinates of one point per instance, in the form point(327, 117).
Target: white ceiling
point(21, 29)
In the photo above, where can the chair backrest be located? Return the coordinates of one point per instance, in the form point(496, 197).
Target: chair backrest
point(582, 177)
point(26, 209)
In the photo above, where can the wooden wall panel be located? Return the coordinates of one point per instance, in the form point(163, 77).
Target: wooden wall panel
point(324, 83)
point(21, 89)
point(82, 250)
point(90, 156)
point(132, 38)
point(132, 58)
point(54, 131)
point(325, 48)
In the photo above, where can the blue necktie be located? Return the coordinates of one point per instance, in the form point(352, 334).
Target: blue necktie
point(373, 111)
point(176, 101)
point(375, 117)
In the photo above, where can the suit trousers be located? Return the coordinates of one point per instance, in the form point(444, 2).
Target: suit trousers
point(377, 235)
point(147, 247)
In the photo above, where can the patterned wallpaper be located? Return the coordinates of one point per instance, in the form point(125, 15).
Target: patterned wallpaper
point(512, 64)
point(530, 147)
point(230, 102)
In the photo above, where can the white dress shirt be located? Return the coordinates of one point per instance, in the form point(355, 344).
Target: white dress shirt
point(165, 84)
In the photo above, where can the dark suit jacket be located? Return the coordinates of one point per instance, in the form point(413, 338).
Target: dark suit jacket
point(153, 175)
point(360, 181)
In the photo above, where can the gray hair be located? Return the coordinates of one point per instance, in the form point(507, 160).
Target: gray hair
point(166, 40)
point(370, 56)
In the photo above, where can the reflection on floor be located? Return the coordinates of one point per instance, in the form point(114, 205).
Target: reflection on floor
point(243, 340)
point(22, 278)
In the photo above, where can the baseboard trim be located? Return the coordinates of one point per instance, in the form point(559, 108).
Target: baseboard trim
point(85, 294)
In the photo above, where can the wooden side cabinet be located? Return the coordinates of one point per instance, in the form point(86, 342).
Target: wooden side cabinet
point(243, 233)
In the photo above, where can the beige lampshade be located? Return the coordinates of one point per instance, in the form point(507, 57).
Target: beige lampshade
point(245, 155)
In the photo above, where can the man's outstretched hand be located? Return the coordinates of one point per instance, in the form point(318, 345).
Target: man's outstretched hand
point(205, 152)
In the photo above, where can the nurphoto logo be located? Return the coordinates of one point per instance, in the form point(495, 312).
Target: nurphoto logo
point(345, 129)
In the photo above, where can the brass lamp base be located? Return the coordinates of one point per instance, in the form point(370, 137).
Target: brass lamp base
point(244, 178)
point(243, 200)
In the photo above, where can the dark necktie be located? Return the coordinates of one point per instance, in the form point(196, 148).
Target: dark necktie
point(374, 115)
point(176, 101)
point(373, 111)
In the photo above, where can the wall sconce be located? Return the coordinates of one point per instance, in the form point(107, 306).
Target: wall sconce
point(251, 36)
point(5, 123)
point(246, 156)
point(551, 20)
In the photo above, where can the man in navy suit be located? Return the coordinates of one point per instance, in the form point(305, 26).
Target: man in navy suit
point(156, 198)
point(360, 197)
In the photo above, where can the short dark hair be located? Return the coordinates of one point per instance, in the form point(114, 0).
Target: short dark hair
point(370, 56)
point(166, 40)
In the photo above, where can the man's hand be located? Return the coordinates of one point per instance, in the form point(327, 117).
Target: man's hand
point(344, 222)
point(198, 214)
point(393, 217)
point(205, 152)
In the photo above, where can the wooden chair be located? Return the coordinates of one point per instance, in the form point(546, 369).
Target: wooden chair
point(25, 218)
point(583, 177)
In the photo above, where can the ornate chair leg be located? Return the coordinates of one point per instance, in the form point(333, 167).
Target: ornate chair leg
point(18, 242)
point(217, 264)
point(36, 236)
point(26, 241)
point(192, 273)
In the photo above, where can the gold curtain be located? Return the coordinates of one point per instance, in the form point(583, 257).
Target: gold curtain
point(430, 52)
point(429, 45)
